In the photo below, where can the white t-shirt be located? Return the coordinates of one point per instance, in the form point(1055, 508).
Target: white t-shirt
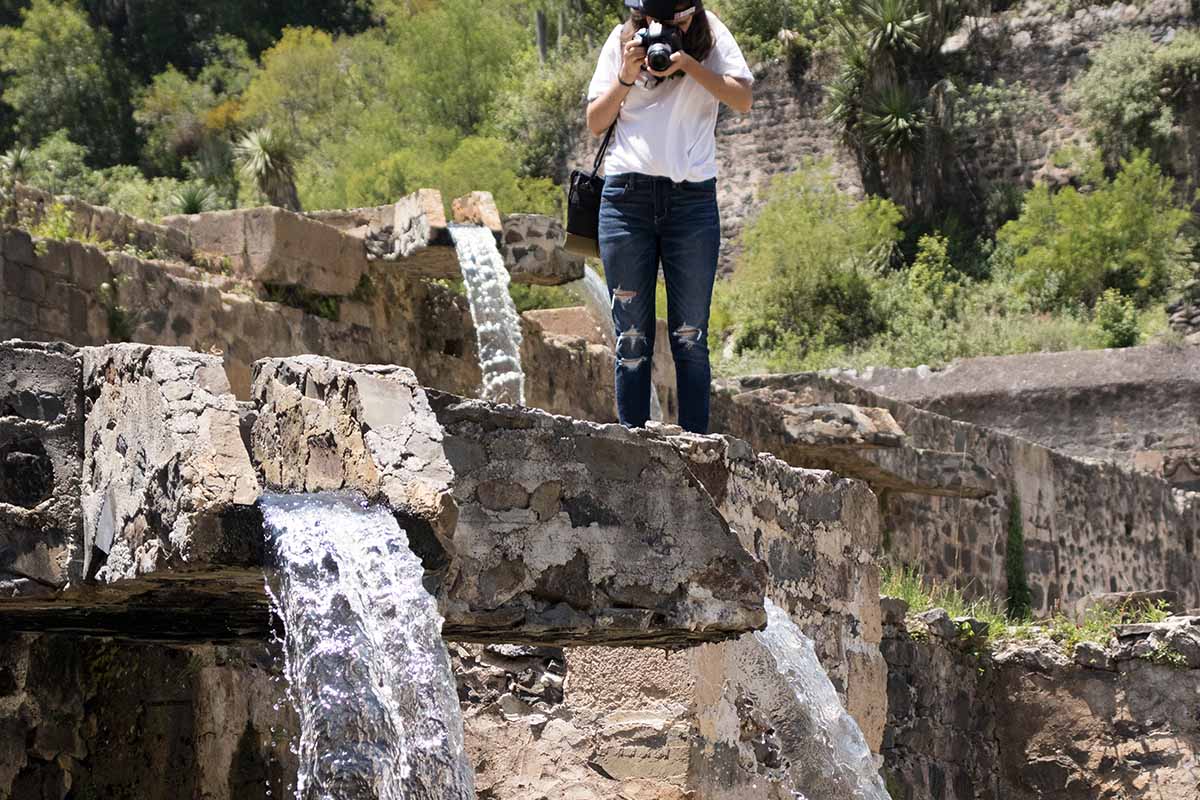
point(668, 129)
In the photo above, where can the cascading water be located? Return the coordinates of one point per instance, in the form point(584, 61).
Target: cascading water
point(596, 298)
point(366, 667)
point(497, 325)
point(836, 752)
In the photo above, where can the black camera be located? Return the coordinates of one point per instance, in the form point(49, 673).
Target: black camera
point(661, 42)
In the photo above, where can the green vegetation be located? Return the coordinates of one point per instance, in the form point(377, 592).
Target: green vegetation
point(922, 594)
point(1020, 599)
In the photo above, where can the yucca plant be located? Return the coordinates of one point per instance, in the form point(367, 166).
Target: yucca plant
point(193, 198)
point(892, 26)
point(15, 164)
point(269, 159)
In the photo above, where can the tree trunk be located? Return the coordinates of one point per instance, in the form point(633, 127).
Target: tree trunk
point(541, 36)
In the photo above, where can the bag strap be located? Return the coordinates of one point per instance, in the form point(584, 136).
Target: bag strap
point(603, 149)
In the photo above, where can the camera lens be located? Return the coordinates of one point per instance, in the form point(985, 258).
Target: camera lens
point(659, 57)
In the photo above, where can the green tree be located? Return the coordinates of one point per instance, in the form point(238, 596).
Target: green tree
point(62, 75)
point(1126, 234)
point(811, 257)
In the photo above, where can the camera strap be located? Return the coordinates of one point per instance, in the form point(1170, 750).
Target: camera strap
point(604, 147)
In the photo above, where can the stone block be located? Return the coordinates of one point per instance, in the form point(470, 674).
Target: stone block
point(273, 246)
point(168, 482)
point(533, 251)
point(41, 462)
point(574, 532)
point(478, 208)
point(325, 425)
point(1129, 601)
point(421, 241)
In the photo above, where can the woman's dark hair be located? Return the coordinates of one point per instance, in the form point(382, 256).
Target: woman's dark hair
point(698, 41)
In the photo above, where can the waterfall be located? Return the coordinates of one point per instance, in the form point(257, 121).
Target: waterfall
point(497, 325)
point(366, 667)
point(836, 754)
point(596, 298)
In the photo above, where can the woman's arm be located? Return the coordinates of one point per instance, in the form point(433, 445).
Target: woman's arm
point(733, 92)
point(603, 111)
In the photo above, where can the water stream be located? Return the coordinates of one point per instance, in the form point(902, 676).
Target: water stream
point(497, 325)
point(596, 298)
point(835, 756)
point(367, 671)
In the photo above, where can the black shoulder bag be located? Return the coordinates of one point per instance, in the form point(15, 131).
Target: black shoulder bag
point(583, 206)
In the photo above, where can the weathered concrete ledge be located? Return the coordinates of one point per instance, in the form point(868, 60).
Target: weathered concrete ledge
point(792, 422)
point(533, 528)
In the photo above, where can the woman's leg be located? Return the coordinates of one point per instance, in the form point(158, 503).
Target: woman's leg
point(629, 250)
point(691, 242)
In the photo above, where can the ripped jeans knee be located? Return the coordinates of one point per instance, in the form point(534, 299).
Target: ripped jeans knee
point(633, 348)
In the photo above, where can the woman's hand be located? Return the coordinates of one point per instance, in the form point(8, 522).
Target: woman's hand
point(632, 59)
point(680, 62)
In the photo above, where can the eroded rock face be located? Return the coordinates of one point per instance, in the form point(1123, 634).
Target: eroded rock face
point(325, 425)
point(166, 476)
point(591, 533)
point(41, 461)
point(1026, 720)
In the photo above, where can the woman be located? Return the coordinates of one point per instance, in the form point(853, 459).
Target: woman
point(660, 194)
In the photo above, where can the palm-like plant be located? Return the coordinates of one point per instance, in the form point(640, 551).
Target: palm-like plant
point(15, 164)
point(893, 26)
point(893, 120)
point(269, 159)
point(193, 198)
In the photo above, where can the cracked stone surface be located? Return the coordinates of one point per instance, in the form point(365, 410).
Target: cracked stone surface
point(325, 425)
point(41, 463)
point(164, 463)
point(587, 533)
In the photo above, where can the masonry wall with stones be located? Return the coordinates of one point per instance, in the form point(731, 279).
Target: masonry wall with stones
point(1137, 407)
point(1087, 526)
point(974, 720)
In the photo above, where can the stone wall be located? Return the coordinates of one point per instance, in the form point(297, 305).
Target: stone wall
point(67, 291)
point(1138, 407)
point(1088, 527)
point(1023, 720)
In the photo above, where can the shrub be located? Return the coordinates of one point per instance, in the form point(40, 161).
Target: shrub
point(1126, 235)
point(758, 25)
point(1117, 319)
point(805, 278)
point(1128, 97)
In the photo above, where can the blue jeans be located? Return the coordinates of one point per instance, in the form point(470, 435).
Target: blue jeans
point(645, 219)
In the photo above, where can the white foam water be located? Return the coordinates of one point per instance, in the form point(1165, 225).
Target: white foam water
point(366, 667)
point(598, 301)
point(497, 325)
point(837, 751)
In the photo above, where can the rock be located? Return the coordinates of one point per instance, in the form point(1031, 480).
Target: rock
point(894, 610)
point(325, 425)
point(600, 557)
point(165, 468)
point(939, 624)
point(1093, 656)
point(280, 248)
point(41, 465)
point(533, 251)
point(1185, 640)
point(478, 208)
point(421, 243)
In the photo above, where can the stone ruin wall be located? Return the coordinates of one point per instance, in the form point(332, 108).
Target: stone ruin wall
point(1137, 407)
point(974, 720)
point(114, 717)
point(1088, 526)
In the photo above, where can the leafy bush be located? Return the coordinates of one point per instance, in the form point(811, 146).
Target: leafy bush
point(811, 254)
point(1117, 319)
point(1126, 234)
point(1128, 97)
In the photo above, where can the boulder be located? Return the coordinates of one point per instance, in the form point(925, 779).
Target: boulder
point(41, 463)
point(280, 248)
